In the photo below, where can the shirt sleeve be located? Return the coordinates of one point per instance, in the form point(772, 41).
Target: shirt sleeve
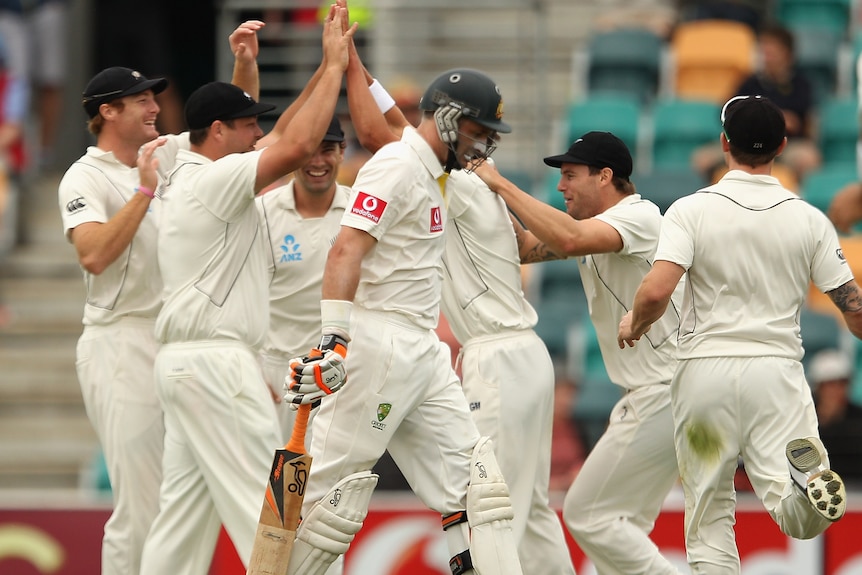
point(227, 187)
point(82, 198)
point(829, 269)
point(676, 242)
point(381, 192)
point(638, 224)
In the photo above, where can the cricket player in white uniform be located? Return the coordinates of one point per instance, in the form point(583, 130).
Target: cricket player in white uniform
point(749, 249)
point(301, 220)
point(110, 216)
point(108, 213)
point(381, 291)
point(613, 503)
point(485, 305)
point(220, 422)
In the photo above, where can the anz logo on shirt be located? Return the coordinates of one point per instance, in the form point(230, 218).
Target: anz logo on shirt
point(291, 251)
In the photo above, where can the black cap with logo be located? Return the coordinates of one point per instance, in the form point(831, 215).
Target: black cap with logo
point(114, 83)
point(597, 150)
point(221, 101)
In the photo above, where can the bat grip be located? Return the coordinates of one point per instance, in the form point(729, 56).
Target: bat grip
point(300, 425)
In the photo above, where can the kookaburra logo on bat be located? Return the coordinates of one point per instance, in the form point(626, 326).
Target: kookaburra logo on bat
point(300, 477)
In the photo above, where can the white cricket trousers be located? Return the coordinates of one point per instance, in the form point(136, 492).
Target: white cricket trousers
point(115, 370)
point(220, 437)
point(724, 407)
point(508, 380)
point(613, 503)
point(401, 394)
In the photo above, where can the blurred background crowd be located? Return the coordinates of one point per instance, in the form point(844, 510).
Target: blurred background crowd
point(654, 72)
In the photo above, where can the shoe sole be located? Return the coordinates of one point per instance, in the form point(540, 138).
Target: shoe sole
point(825, 490)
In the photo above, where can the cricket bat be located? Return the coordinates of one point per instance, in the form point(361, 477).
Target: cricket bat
point(279, 516)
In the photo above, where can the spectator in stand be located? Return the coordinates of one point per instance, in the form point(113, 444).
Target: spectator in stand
point(13, 110)
point(752, 13)
point(779, 80)
point(830, 374)
point(567, 444)
point(34, 32)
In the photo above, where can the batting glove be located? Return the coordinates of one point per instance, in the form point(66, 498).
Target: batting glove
point(318, 374)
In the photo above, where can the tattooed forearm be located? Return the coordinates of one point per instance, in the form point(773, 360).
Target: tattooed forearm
point(539, 252)
point(847, 297)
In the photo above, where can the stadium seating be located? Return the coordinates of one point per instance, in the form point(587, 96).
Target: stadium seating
point(663, 186)
point(596, 394)
point(680, 126)
point(817, 57)
point(608, 113)
point(819, 331)
point(831, 15)
point(820, 186)
point(626, 60)
point(711, 58)
point(838, 131)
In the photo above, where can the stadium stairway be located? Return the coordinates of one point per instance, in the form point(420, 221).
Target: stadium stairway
point(46, 439)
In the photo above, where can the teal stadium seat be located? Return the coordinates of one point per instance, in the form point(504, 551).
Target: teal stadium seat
point(597, 395)
point(819, 331)
point(831, 15)
point(680, 127)
point(663, 186)
point(626, 60)
point(817, 57)
point(560, 303)
point(838, 132)
point(607, 113)
point(819, 187)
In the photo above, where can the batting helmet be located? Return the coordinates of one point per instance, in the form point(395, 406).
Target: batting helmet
point(474, 93)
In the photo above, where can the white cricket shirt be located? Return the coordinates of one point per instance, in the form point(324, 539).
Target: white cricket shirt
point(482, 292)
point(94, 189)
point(212, 252)
point(610, 282)
point(397, 199)
point(297, 253)
point(750, 247)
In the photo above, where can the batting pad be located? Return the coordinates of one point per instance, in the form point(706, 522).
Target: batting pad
point(332, 524)
point(489, 514)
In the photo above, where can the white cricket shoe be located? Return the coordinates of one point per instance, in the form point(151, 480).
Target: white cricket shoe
point(823, 487)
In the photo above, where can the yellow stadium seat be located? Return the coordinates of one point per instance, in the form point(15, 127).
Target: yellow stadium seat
point(711, 58)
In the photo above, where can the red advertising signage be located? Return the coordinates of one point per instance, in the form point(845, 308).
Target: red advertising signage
point(402, 540)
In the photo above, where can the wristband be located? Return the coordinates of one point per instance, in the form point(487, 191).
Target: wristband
point(146, 191)
point(335, 317)
point(384, 101)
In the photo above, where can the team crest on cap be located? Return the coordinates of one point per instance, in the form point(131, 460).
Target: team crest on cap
point(136, 75)
point(368, 207)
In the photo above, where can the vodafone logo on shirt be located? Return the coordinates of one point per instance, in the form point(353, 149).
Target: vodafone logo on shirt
point(436, 220)
point(369, 207)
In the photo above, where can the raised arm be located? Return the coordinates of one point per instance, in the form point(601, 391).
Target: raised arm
point(245, 49)
point(308, 125)
point(563, 234)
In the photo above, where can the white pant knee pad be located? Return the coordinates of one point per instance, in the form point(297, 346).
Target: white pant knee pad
point(492, 546)
point(331, 524)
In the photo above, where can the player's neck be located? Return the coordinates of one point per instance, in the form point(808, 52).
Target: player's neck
point(125, 150)
point(310, 205)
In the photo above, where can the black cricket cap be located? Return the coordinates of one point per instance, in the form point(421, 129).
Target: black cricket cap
point(334, 133)
point(597, 150)
point(221, 101)
point(114, 83)
point(753, 124)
